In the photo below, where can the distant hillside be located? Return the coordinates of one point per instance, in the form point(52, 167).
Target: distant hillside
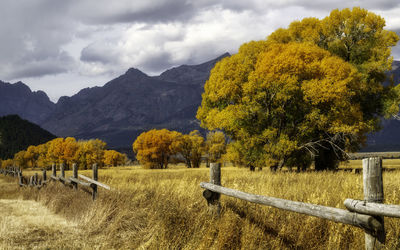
point(18, 99)
point(17, 134)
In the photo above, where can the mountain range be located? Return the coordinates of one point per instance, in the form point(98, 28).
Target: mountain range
point(118, 111)
point(135, 102)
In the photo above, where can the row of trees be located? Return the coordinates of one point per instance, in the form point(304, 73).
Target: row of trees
point(67, 151)
point(157, 148)
point(311, 91)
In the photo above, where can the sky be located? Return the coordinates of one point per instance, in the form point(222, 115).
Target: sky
point(63, 46)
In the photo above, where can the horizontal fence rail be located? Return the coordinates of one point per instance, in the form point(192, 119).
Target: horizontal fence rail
point(335, 214)
point(379, 209)
point(94, 182)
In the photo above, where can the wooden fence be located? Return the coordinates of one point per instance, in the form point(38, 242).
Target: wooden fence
point(367, 214)
point(73, 181)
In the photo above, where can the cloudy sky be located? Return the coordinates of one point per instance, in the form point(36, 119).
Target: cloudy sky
point(63, 46)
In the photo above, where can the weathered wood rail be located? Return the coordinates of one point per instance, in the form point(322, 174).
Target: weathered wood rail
point(73, 181)
point(368, 214)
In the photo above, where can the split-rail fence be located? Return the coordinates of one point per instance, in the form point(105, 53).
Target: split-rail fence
point(367, 214)
point(75, 180)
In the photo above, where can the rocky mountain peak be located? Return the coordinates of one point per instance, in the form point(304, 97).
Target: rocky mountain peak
point(191, 74)
point(18, 99)
point(135, 73)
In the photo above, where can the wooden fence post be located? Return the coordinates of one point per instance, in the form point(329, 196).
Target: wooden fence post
point(373, 192)
point(75, 175)
point(53, 170)
point(36, 179)
point(214, 206)
point(20, 179)
point(62, 170)
point(44, 174)
point(95, 177)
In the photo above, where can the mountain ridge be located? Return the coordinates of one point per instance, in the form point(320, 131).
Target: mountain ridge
point(132, 103)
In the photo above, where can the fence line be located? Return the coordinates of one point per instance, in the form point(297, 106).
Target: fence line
point(368, 214)
point(74, 181)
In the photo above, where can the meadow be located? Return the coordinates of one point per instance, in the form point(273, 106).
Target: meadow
point(164, 209)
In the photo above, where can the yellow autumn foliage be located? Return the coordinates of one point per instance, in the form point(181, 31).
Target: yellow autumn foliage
point(153, 148)
point(315, 87)
point(67, 151)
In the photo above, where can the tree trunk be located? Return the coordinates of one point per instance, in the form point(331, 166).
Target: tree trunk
point(326, 159)
point(274, 167)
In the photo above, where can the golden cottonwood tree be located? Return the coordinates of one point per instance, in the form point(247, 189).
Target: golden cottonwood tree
point(90, 152)
point(234, 154)
point(20, 160)
point(315, 87)
point(114, 158)
point(215, 145)
point(7, 163)
point(42, 160)
point(153, 148)
point(190, 147)
point(198, 148)
point(358, 37)
point(55, 151)
point(70, 146)
point(296, 96)
point(32, 156)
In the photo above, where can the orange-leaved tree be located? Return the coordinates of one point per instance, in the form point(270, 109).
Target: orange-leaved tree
point(153, 148)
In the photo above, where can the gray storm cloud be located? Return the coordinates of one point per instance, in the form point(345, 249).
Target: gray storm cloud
point(45, 38)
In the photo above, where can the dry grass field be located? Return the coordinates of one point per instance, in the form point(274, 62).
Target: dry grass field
point(164, 209)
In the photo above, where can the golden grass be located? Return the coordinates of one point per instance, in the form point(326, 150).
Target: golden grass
point(164, 209)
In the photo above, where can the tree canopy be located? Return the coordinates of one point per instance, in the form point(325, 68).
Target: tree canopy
point(153, 148)
point(190, 147)
point(314, 89)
